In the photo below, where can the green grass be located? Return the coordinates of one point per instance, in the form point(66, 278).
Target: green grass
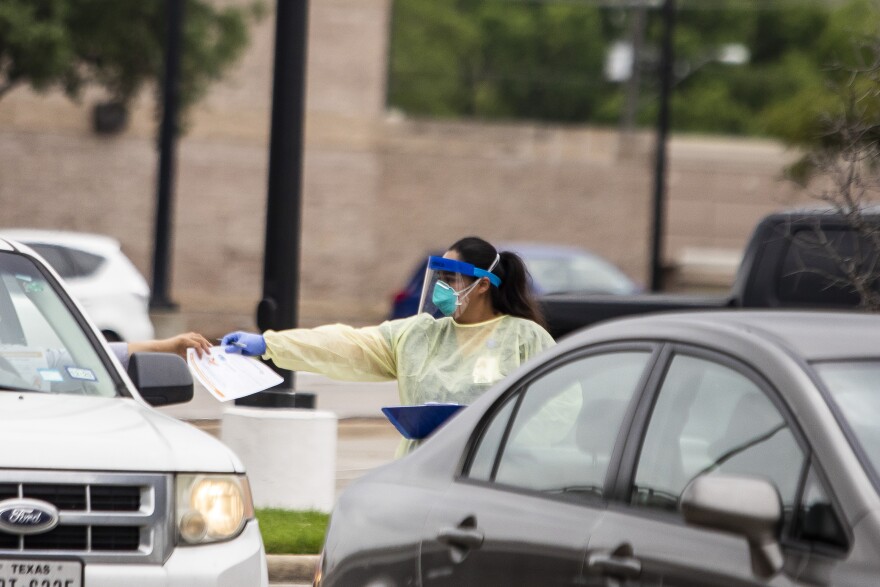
point(292, 532)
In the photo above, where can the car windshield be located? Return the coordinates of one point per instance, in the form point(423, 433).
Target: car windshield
point(577, 273)
point(855, 390)
point(42, 347)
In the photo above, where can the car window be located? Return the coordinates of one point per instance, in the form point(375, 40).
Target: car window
point(42, 347)
point(84, 263)
point(852, 387)
point(811, 275)
point(558, 434)
point(490, 442)
point(580, 273)
point(710, 418)
point(57, 258)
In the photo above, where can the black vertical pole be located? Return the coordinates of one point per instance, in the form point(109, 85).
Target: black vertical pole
point(666, 71)
point(159, 297)
point(278, 308)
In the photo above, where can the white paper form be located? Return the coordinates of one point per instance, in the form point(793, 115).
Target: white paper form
point(229, 376)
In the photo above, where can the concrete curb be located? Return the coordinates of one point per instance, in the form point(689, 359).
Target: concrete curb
point(291, 568)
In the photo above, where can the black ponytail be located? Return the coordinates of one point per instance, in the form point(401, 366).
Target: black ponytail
point(514, 296)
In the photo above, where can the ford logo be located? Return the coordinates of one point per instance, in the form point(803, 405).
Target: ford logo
point(27, 516)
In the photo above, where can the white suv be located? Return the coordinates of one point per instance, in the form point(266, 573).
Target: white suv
point(98, 274)
point(98, 489)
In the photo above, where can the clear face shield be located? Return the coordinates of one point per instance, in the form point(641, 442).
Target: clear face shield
point(448, 283)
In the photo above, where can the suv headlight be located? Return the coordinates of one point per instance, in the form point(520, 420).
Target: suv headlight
point(212, 508)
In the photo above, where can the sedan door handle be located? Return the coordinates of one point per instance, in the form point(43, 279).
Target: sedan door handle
point(618, 563)
point(461, 537)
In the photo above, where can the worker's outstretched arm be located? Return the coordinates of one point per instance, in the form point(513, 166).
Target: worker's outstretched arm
point(337, 351)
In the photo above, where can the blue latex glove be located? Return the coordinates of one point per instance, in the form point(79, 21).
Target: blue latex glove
point(246, 343)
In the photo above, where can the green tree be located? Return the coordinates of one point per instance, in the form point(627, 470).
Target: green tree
point(116, 45)
point(543, 60)
point(432, 46)
point(538, 61)
point(839, 108)
point(780, 39)
point(496, 59)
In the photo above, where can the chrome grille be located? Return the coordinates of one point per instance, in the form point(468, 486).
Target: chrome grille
point(103, 517)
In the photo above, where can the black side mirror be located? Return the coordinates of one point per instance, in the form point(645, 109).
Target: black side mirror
point(161, 378)
point(748, 506)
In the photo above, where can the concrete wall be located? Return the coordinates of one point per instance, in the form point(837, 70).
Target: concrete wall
point(379, 191)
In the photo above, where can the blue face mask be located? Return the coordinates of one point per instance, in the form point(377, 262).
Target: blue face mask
point(445, 298)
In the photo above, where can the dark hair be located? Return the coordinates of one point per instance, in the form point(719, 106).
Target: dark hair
point(514, 297)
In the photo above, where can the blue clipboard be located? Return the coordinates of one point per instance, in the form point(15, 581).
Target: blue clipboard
point(416, 422)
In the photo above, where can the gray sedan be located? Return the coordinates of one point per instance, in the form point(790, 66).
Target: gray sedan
point(699, 449)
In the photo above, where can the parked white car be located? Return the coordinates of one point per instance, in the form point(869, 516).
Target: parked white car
point(98, 488)
point(106, 283)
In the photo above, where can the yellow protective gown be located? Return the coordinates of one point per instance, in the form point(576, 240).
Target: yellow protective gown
point(433, 360)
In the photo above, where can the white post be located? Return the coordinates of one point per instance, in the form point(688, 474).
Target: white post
point(289, 453)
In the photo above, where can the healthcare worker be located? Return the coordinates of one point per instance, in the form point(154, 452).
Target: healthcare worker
point(477, 322)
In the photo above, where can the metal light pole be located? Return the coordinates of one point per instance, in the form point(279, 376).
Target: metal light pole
point(159, 296)
point(659, 208)
point(278, 308)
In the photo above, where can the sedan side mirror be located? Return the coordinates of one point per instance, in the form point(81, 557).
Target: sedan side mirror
point(161, 378)
point(748, 506)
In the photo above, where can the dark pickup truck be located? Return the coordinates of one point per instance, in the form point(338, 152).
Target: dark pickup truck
point(793, 260)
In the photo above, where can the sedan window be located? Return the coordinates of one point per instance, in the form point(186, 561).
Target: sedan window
point(710, 418)
point(558, 435)
point(853, 389)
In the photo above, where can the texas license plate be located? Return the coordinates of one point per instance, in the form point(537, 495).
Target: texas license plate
point(40, 573)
